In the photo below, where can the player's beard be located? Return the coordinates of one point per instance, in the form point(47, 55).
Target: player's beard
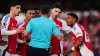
point(17, 14)
point(54, 16)
point(70, 24)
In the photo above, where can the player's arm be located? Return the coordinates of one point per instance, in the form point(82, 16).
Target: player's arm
point(65, 27)
point(21, 41)
point(74, 53)
point(79, 36)
point(11, 32)
point(28, 29)
point(79, 42)
point(4, 28)
point(75, 47)
point(57, 33)
point(60, 37)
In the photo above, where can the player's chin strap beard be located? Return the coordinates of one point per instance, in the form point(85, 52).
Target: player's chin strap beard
point(72, 25)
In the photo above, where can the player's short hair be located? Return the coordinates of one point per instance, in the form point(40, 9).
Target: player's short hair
point(73, 15)
point(14, 3)
point(57, 5)
point(45, 9)
point(35, 8)
point(31, 9)
point(25, 10)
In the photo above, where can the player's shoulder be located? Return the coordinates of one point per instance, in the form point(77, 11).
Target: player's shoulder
point(61, 20)
point(6, 17)
point(20, 23)
point(80, 26)
point(77, 27)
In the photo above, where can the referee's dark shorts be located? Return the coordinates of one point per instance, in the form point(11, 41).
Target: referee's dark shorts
point(33, 51)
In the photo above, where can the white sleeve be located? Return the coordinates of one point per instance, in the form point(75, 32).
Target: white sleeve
point(19, 40)
point(4, 26)
point(65, 27)
point(5, 32)
point(78, 31)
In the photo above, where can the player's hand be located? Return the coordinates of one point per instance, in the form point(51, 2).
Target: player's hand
point(24, 41)
point(66, 52)
point(59, 27)
point(19, 30)
point(60, 37)
point(25, 33)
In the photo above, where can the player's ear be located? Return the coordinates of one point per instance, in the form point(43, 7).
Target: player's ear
point(11, 8)
point(74, 19)
point(51, 10)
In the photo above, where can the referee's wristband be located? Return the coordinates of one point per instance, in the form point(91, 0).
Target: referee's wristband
point(73, 48)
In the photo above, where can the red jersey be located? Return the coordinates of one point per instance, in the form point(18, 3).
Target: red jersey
point(55, 43)
point(22, 47)
point(0, 32)
point(10, 24)
point(0, 35)
point(85, 49)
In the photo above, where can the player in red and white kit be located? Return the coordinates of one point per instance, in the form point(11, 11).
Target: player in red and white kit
point(0, 34)
point(57, 45)
point(1, 42)
point(80, 38)
point(10, 29)
point(23, 46)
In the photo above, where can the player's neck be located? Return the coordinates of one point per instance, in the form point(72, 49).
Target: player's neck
point(73, 25)
point(12, 15)
point(53, 18)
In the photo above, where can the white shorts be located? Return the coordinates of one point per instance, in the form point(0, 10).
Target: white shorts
point(2, 48)
point(8, 54)
point(88, 54)
point(56, 55)
point(0, 53)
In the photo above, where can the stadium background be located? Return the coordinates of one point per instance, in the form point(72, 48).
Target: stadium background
point(88, 12)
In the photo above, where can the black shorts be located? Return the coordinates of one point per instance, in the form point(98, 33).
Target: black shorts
point(32, 51)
